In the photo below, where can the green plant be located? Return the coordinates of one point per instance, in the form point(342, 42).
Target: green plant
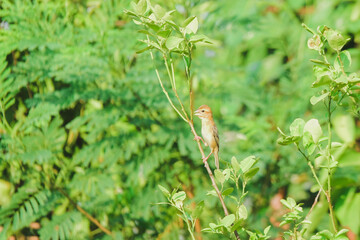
point(86, 134)
point(176, 199)
point(337, 85)
point(167, 37)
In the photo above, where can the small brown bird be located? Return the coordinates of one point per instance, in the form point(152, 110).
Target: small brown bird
point(209, 132)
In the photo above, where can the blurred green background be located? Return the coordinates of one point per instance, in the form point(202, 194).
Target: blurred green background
point(85, 114)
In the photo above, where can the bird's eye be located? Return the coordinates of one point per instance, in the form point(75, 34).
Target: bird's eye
point(203, 111)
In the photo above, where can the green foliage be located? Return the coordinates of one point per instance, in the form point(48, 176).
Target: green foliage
point(60, 227)
point(81, 112)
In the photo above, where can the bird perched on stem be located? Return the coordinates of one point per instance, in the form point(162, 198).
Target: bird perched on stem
point(209, 132)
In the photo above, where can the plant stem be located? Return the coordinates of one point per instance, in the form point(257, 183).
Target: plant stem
point(329, 157)
point(315, 202)
point(206, 165)
point(87, 215)
point(186, 119)
point(327, 193)
point(312, 170)
point(163, 88)
point(172, 79)
point(188, 224)
point(341, 63)
point(188, 77)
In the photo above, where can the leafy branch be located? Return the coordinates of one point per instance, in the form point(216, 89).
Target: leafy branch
point(167, 37)
point(336, 84)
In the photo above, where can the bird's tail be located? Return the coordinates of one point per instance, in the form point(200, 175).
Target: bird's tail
point(216, 156)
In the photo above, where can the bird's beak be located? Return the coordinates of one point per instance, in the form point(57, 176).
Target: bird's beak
point(197, 113)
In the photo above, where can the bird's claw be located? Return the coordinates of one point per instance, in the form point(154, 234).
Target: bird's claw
point(205, 159)
point(196, 138)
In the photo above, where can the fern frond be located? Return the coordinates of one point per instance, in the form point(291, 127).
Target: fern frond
point(26, 206)
point(60, 227)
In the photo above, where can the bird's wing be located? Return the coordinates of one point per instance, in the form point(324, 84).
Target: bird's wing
point(216, 136)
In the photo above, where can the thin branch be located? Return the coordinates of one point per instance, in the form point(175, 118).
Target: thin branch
point(190, 122)
point(163, 88)
point(329, 169)
point(207, 167)
point(206, 164)
point(314, 204)
point(172, 78)
point(312, 170)
point(173, 71)
point(87, 215)
point(190, 230)
point(341, 63)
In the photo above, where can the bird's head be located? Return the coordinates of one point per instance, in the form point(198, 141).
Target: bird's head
point(204, 112)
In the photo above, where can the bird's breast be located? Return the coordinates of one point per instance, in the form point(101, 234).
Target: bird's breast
point(207, 133)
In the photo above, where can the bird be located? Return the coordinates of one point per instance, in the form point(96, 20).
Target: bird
point(209, 132)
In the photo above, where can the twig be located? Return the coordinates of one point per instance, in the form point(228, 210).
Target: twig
point(172, 79)
point(189, 121)
point(341, 63)
point(87, 215)
point(312, 170)
point(315, 202)
point(206, 165)
point(163, 88)
point(329, 169)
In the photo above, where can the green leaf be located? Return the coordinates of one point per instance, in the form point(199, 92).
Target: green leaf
point(285, 203)
point(173, 42)
point(354, 78)
point(236, 226)
point(297, 127)
point(341, 232)
point(179, 196)
point(323, 76)
point(314, 100)
point(335, 39)
point(319, 62)
point(235, 165)
point(227, 191)
point(144, 49)
point(283, 223)
point(130, 13)
point(192, 25)
point(228, 220)
point(142, 7)
point(197, 38)
point(173, 24)
point(219, 176)
point(213, 226)
point(291, 202)
point(247, 163)
point(313, 127)
point(198, 210)
point(164, 190)
point(333, 164)
point(243, 213)
point(227, 174)
point(288, 140)
point(251, 173)
point(347, 55)
point(267, 229)
point(212, 193)
point(344, 126)
point(326, 233)
point(159, 11)
point(342, 80)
